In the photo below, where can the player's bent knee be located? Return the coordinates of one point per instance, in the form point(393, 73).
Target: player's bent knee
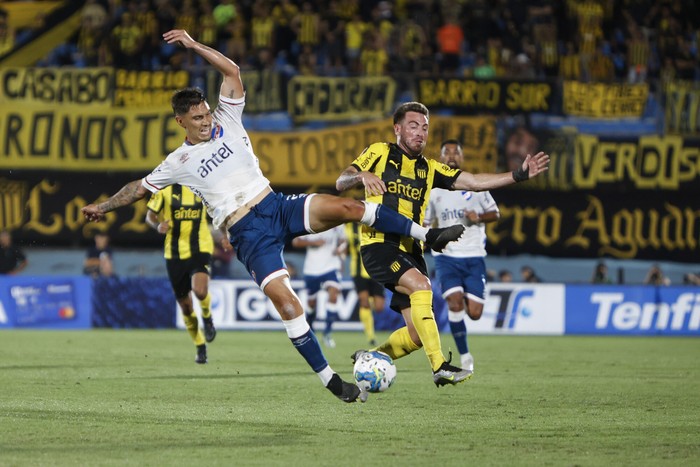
point(475, 312)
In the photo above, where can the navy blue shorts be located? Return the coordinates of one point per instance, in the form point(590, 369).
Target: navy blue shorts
point(465, 275)
point(315, 283)
point(259, 236)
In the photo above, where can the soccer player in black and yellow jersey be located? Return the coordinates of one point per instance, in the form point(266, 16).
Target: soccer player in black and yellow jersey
point(176, 212)
point(370, 293)
point(400, 177)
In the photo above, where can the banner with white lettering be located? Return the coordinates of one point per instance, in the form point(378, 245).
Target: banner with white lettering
point(630, 310)
point(240, 304)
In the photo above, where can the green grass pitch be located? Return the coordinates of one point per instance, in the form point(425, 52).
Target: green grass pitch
point(128, 397)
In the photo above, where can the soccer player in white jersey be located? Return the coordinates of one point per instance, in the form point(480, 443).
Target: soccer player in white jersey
point(322, 265)
point(460, 267)
point(218, 164)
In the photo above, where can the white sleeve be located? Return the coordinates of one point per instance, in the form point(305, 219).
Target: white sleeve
point(488, 204)
point(161, 177)
point(230, 111)
point(428, 218)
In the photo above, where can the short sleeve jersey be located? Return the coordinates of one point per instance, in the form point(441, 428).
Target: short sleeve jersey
point(447, 208)
point(224, 171)
point(189, 232)
point(323, 259)
point(409, 181)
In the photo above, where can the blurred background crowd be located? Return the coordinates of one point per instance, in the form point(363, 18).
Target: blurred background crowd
point(586, 40)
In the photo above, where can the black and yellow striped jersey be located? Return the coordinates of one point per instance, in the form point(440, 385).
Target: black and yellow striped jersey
point(189, 230)
point(353, 231)
point(408, 181)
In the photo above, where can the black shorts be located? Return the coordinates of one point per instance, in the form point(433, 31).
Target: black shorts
point(180, 272)
point(386, 263)
point(365, 284)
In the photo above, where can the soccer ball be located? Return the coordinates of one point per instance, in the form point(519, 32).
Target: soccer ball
point(374, 371)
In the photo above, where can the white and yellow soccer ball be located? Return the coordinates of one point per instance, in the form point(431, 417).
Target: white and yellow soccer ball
point(374, 371)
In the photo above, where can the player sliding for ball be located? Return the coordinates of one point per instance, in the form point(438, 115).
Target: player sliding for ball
point(218, 164)
point(399, 177)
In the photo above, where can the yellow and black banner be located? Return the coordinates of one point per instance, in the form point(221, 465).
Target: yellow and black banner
point(147, 89)
point(86, 138)
point(682, 113)
point(51, 87)
point(487, 96)
point(599, 100)
point(335, 99)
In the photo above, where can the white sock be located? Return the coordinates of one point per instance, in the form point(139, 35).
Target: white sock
point(326, 374)
point(419, 232)
point(456, 316)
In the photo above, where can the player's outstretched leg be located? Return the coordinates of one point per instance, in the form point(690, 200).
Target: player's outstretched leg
point(328, 211)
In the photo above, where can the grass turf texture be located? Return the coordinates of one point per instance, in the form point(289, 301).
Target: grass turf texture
point(137, 398)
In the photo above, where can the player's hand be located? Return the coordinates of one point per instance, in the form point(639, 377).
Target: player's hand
point(535, 165)
point(163, 227)
point(472, 217)
point(92, 213)
point(373, 184)
point(225, 244)
point(180, 37)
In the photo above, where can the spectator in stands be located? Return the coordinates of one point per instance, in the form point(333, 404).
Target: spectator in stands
point(528, 275)
point(332, 47)
point(450, 40)
point(373, 58)
point(691, 279)
point(519, 143)
point(600, 274)
point(505, 275)
point(127, 40)
point(12, 258)
point(656, 277)
point(354, 33)
point(98, 261)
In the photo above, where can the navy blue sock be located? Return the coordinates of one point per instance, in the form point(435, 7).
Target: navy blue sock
point(389, 221)
point(331, 317)
point(307, 345)
point(459, 332)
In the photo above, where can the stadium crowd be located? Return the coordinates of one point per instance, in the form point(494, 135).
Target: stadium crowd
point(588, 40)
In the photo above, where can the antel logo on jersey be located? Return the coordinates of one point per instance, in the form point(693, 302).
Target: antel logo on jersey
point(404, 189)
point(614, 312)
point(218, 157)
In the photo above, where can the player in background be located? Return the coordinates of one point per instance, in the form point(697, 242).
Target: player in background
point(218, 164)
point(179, 214)
point(370, 293)
point(460, 267)
point(399, 177)
point(322, 266)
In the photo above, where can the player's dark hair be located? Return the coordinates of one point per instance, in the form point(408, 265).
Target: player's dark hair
point(450, 141)
point(406, 107)
point(184, 99)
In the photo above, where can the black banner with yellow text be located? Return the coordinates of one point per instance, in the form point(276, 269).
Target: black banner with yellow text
point(487, 96)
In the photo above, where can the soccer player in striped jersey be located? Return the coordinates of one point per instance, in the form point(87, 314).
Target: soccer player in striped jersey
point(179, 214)
point(460, 267)
point(399, 177)
point(218, 164)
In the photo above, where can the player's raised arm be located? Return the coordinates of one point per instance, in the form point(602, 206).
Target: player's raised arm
point(130, 193)
point(231, 86)
point(532, 167)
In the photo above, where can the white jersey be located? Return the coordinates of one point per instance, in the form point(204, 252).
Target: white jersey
point(323, 259)
point(223, 171)
point(449, 207)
